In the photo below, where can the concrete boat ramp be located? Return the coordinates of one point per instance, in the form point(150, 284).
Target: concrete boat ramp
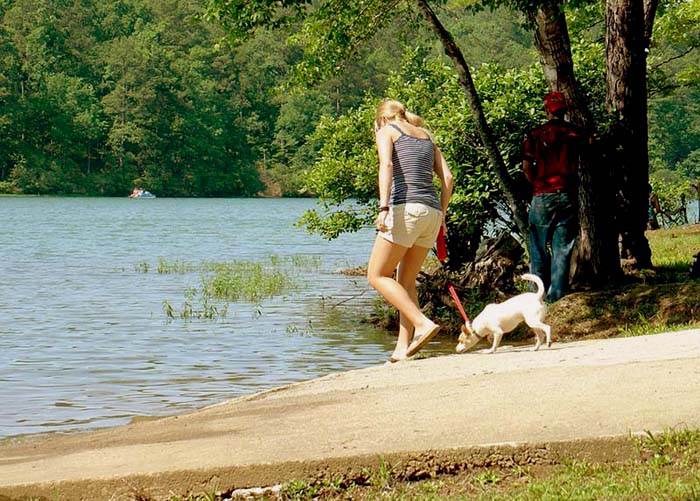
point(515, 406)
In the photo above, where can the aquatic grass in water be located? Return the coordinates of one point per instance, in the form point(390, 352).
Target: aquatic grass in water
point(252, 282)
point(232, 281)
point(196, 307)
point(142, 267)
point(176, 266)
point(304, 262)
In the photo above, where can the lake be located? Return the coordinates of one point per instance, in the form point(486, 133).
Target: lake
point(85, 341)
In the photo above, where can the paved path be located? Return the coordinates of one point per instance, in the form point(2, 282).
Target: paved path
point(448, 404)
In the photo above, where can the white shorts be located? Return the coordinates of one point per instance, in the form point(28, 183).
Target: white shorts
point(413, 224)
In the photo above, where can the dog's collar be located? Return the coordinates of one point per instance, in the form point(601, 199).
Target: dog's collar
point(473, 332)
point(477, 334)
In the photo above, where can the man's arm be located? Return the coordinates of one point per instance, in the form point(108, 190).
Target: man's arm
point(529, 169)
point(529, 159)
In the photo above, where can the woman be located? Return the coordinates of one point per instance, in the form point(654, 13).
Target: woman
point(410, 216)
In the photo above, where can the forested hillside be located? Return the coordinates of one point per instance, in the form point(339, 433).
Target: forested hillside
point(99, 97)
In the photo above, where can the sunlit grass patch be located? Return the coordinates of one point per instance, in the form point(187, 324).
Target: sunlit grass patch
point(672, 250)
point(644, 327)
point(245, 280)
point(667, 466)
point(681, 445)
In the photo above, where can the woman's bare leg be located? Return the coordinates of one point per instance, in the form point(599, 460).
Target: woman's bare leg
point(408, 270)
point(385, 258)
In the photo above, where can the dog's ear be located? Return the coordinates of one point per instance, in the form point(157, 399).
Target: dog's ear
point(467, 328)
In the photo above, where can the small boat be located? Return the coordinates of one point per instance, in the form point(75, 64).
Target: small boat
point(140, 193)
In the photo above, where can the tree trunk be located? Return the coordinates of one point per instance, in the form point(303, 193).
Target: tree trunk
point(595, 260)
point(626, 99)
point(516, 206)
point(650, 7)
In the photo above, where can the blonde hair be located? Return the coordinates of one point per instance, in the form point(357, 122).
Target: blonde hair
point(390, 109)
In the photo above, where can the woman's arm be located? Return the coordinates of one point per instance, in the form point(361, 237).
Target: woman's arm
point(446, 181)
point(385, 147)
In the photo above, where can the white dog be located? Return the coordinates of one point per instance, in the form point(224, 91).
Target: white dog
point(499, 318)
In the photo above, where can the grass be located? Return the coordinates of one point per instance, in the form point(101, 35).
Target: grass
point(174, 267)
point(231, 281)
point(673, 249)
point(663, 466)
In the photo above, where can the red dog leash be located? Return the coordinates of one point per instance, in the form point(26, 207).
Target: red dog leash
point(441, 252)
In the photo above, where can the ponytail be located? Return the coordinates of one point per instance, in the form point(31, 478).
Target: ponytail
point(414, 119)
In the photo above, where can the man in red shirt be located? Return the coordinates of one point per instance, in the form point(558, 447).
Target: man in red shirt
point(550, 161)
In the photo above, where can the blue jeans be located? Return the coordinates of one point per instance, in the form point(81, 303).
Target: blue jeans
point(553, 223)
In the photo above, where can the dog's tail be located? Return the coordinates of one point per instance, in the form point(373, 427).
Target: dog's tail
point(538, 281)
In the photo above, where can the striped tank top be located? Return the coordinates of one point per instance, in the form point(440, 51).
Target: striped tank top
point(412, 175)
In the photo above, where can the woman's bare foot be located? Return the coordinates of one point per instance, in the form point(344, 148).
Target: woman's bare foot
point(398, 356)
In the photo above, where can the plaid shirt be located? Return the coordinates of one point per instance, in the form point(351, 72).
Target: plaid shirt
point(553, 148)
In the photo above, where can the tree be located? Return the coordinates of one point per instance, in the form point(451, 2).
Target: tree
point(346, 166)
point(346, 26)
point(629, 28)
point(333, 32)
point(596, 257)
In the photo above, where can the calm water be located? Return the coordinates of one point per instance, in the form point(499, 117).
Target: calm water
point(84, 341)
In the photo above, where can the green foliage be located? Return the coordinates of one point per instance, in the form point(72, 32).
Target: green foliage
point(676, 40)
point(674, 68)
point(674, 130)
point(689, 167)
point(332, 33)
point(670, 188)
point(334, 222)
point(486, 36)
point(242, 18)
point(299, 490)
point(98, 97)
point(346, 169)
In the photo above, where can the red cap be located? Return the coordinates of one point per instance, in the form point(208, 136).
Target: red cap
point(554, 101)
